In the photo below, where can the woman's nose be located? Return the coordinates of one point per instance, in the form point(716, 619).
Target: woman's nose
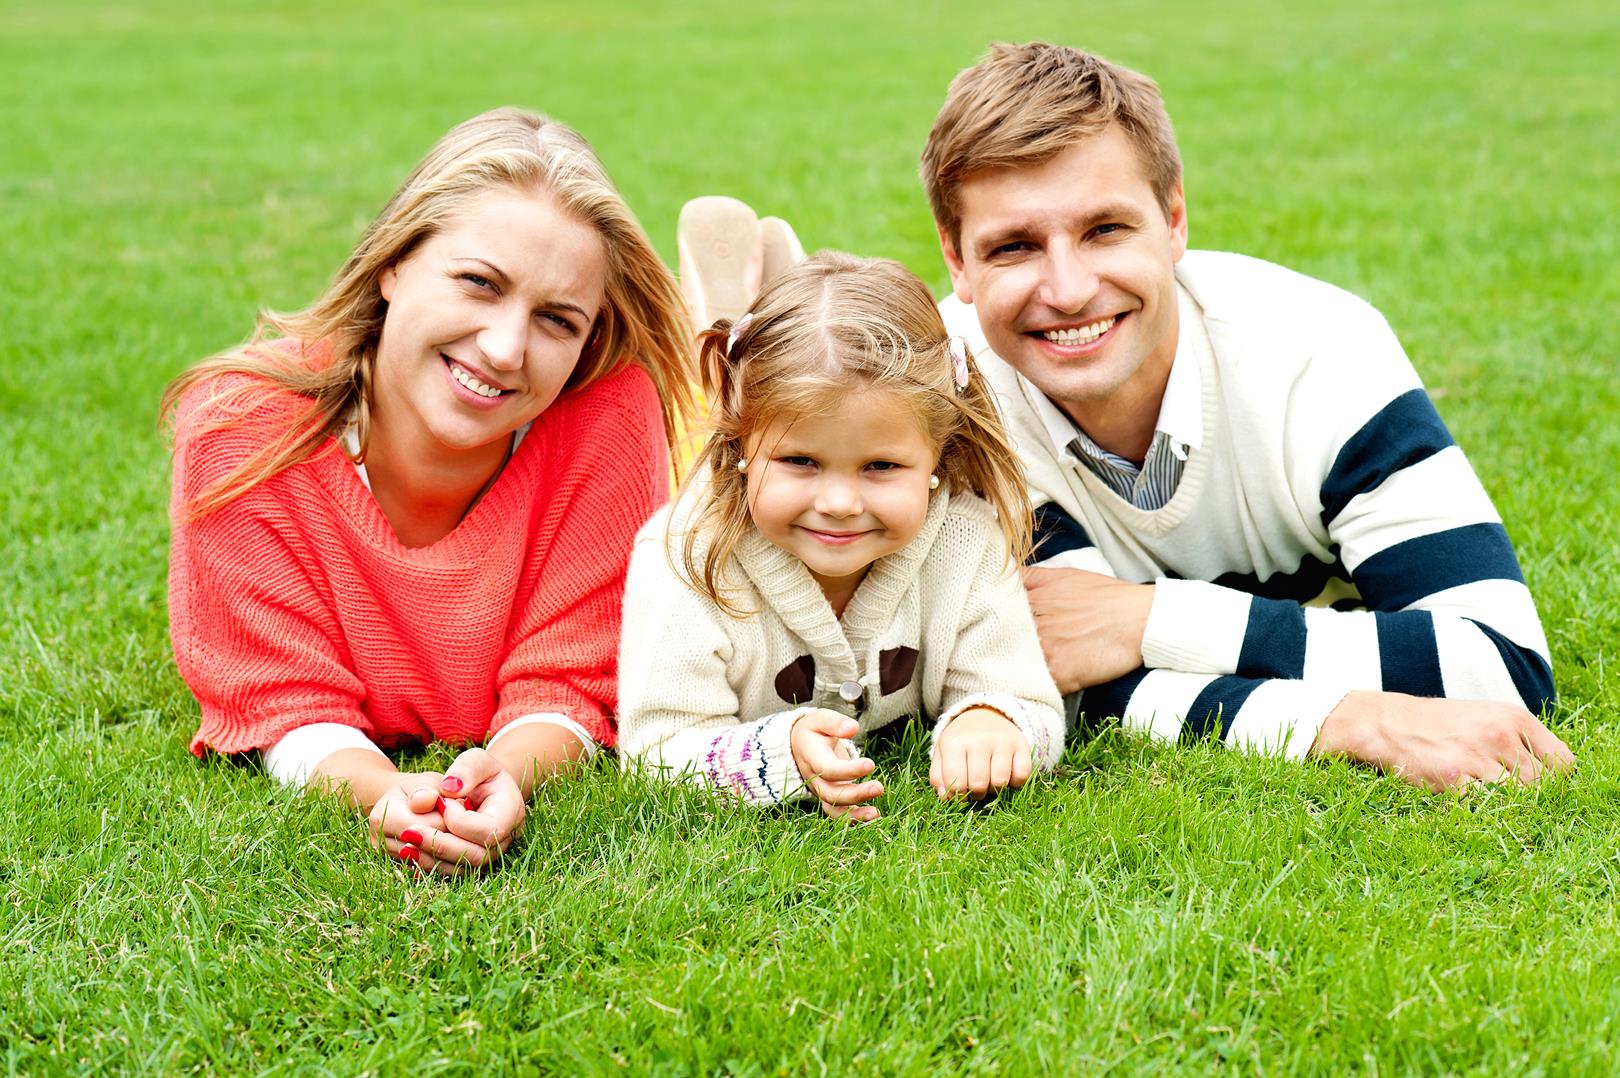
point(504, 338)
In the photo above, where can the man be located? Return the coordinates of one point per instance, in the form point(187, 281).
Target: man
point(1253, 524)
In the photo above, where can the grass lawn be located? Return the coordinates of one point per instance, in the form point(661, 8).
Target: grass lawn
point(167, 169)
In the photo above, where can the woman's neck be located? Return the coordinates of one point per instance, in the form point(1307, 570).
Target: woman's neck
point(423, 494)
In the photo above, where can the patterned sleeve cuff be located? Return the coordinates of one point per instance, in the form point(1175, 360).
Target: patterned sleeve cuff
point(754, 761)
point(1041, 726)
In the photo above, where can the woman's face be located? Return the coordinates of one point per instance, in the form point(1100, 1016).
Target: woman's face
point(486, 320)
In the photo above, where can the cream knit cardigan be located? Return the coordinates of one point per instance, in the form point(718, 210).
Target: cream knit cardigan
point(937, 627)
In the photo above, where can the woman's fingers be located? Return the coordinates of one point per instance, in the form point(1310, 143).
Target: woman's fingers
point(493, 824)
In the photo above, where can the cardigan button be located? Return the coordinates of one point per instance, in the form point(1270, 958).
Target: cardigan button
point(851, 691)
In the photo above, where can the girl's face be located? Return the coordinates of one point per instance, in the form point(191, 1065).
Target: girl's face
point(839, 491)
point(486, 320)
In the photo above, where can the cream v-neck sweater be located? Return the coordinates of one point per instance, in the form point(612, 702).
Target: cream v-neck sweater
point(937, 627)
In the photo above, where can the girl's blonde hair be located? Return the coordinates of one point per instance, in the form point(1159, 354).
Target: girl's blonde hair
point(832, 325)
point(643, 319)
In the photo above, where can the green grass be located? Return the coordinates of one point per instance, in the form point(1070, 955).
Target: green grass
point(167, 169)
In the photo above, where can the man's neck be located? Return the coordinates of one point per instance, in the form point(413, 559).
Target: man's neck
point(1124, 422)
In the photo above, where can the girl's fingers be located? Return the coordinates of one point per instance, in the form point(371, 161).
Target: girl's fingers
point(1001, 767)
point(470, 769)
point(978, 762)
point(420, 798)
point(1023, 766)
point(845, 793)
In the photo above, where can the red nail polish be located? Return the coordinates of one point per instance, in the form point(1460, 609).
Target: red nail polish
point(411, 836)
point(439, 804)
point(409, 853)
point(450, 785)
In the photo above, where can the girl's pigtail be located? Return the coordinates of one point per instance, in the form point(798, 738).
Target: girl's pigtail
point(721, 514)
point(979, 457)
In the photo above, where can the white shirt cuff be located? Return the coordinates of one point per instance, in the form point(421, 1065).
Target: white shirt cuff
point(549, 718)
point(301, 749)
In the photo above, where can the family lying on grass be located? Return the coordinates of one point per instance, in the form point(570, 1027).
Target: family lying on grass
point(419, 509)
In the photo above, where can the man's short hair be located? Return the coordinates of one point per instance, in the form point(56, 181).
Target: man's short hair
point(1024, 104)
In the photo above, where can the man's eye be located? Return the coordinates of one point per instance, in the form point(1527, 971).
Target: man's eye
point(1013, 248)
point(1107, 230)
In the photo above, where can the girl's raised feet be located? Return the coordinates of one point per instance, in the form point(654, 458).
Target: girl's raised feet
point(718, 241)
point(779, 246)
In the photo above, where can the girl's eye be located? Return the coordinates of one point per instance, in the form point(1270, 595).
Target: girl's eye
point(883, 466)
point(797, 462)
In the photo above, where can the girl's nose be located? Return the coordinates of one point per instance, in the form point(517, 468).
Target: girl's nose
point(837, 497)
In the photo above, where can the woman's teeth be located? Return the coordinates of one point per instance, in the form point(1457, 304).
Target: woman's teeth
point(1081, 334)
point(462, 375)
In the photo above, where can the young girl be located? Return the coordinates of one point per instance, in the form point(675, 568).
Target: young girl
point(844, 555)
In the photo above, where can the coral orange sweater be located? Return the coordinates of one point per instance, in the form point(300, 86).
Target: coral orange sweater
point(296, 604)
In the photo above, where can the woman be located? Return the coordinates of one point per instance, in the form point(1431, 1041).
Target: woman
point(403, 514)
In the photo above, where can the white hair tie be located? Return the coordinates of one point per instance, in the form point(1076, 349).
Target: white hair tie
point(738, 328)
point(958, 349)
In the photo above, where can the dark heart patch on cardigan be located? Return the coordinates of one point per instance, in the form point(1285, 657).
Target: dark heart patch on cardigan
point(796, 683)
point(895, 668)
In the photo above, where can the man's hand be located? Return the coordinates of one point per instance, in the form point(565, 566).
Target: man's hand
point(830, 766)
point(1442, 744)
point(980, 752)
point(1091, 626)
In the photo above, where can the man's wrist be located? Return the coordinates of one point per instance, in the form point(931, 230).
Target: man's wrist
point(1354, 729)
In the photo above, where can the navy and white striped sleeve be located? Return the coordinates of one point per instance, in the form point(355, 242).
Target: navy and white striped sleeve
point(1447, 610)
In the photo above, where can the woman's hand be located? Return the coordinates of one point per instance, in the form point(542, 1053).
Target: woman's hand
point(408, 821)
point(831, 767)
point(981, 751)
point(482, 807)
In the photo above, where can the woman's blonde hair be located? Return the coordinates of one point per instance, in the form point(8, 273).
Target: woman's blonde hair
point(832, 325)
point(643, 319)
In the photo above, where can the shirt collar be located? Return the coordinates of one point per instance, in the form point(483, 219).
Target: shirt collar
point(1181, 412)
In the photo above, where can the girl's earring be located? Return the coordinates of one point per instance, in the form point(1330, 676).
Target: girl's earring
point(933, 482)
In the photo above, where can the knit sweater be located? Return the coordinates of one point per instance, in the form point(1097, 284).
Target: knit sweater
point(1328, 535)
point(295, 603)
point(935, 628)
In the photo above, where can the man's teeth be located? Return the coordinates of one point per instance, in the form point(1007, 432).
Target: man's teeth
point(461, 375)
point(1080, 334)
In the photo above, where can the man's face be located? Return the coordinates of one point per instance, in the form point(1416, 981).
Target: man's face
point(1070, 265)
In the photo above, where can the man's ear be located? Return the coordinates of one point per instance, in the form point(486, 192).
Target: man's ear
point(1177, 216)
point(953, 263)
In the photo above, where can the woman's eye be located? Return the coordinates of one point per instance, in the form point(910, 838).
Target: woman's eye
point(559, 321)
point(476, 281)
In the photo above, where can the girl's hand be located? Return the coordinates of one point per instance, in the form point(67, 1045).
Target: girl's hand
point(482, 806)
point(831, 767)
point(981, 751)
point(408, 823)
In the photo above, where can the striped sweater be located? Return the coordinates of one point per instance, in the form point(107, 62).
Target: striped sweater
point(1326, 536)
